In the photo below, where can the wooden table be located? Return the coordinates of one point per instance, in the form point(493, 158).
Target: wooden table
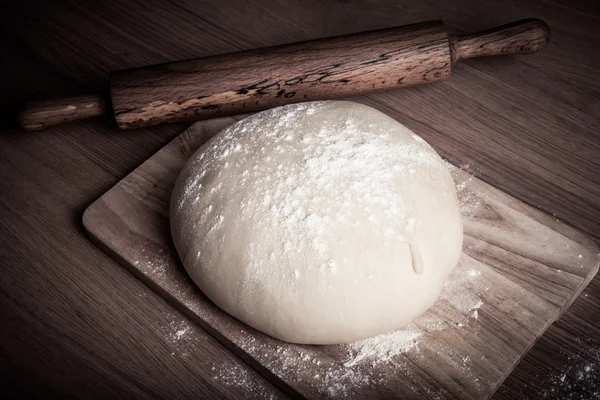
point(73, 322)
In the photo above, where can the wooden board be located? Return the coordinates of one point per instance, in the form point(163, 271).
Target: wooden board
point(520, 269)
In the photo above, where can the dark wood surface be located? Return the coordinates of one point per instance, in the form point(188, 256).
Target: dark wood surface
point(74, 322)
point(519, 271)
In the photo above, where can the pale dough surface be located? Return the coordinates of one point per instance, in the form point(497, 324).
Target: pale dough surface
point(321, 223)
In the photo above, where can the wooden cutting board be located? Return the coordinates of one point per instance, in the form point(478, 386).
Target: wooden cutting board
point(519, 271)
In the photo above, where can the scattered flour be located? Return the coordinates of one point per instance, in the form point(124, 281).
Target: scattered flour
point(456, 291)
point(578, 380)
point(182, 336)
point(181, 332)
point(338, 382)
point(239, 377)
point(295, 196)
point(383, 347)
point(179, 336)
point(155, 262)
point(469, 202)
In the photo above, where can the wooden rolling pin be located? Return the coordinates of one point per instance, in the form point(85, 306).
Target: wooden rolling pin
point(258, 79)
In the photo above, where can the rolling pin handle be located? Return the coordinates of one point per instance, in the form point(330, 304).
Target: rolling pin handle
point(521, 37)
point(40, 114)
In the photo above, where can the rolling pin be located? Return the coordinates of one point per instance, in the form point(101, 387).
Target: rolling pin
point(254, 80)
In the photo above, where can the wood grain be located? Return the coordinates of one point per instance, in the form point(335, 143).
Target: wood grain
point(40, 114)
point(257, 79)
point(529, 269)
point(314, 70)
point(521, 37)
point(529, 125)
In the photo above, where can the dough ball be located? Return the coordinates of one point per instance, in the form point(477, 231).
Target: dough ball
point(319, 223)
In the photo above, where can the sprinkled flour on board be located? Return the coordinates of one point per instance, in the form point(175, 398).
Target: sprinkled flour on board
point(239, 377)
point(185, 339)
point(469, 202)
point(179, 336)
point(383, 347)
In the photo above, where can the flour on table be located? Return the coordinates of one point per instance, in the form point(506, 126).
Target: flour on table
point(155, 262)
point(239, 377)
point(580, 378)
point(383, 347)
point(469, 202)
point(462, 299)
point(179, 336)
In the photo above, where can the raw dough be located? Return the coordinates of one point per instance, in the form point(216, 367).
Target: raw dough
point(323, 222)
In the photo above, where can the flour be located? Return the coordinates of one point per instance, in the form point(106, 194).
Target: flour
point(383, 347)
point(181, 332)
point(457, 291)
point(293, 200)
point(578, 379)
point(339, 158)
point(186, 339)
point(238, 376)
point(469, 202)
point(179, 336)
point(155, 262)
point(341, 381)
